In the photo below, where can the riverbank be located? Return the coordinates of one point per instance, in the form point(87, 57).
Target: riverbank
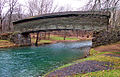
point(7, 44)
point(52, 40)
point(104, 61)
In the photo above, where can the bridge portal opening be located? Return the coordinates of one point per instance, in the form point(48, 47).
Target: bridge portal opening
point(48, 37)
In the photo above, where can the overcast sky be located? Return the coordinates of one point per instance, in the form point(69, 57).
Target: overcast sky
point(75, 4)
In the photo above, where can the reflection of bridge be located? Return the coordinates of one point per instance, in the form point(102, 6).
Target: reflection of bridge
point(76, 20)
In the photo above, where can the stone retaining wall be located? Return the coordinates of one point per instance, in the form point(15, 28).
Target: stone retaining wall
point(18, 38)
point(104, 37)
point(5, 36)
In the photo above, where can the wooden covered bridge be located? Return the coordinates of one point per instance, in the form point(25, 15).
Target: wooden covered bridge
point(73, 20)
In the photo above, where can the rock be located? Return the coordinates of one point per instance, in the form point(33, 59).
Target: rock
point(104, 37)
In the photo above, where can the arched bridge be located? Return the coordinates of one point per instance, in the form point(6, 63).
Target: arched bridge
point(84, 20)
point(74, 20)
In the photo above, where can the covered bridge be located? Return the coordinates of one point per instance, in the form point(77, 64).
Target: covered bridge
point(87, 20)
point(73, 20)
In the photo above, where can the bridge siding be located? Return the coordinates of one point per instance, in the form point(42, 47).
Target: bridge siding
point(76, 22)
point(63, 14)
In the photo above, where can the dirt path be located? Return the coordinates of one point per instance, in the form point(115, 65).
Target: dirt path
point(109, 48)
point(84, 67)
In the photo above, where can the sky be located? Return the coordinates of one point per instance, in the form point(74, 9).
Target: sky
point(74, 4)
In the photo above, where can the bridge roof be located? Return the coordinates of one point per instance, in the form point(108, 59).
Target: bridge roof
point(63, 14)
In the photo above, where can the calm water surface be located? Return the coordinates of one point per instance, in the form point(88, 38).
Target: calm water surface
point(35, 61)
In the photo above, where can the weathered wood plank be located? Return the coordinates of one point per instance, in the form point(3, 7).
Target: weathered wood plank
point(73, 20)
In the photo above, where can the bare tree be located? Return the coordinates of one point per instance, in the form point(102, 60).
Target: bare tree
point(104, 5)
point(114, 11)
point(2, 6)
point(19, 12)
point(101, 4)
point(88, 6)
point(62, 8)
point(12, 4)
point(37, 7)
point(6, 11)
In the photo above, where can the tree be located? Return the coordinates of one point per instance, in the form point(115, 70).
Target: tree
point(37, 7)
point(12, 4)
point(62, 8)
point(2, 5)
point(104, 5)
point(6, 11)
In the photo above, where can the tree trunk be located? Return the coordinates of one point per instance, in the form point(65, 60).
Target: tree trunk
point(48, 35)
point(36, 44)
point(0, 25)
point(45, 35)
point(65, 35)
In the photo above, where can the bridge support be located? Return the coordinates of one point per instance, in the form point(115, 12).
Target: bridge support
point(105, 37)
point(37, 38)
point(21, 39)
point(48, 35)
point(65, 34)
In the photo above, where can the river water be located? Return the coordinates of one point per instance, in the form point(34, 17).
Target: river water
point(35, 61)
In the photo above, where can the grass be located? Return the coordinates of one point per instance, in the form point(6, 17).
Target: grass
point(117, 53)
point(93, 52)
point(118, 42)
point(98, 56)
point(44, 41)
point(62, 38)
point(52, 39)
point(41, 41)
point(5, 43)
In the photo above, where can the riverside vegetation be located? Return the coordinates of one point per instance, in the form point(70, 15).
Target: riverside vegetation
point(102, 59)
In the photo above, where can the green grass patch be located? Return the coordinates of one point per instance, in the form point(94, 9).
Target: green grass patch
point(118, 42)
point(115, 60)
point(116, 53)
point(4, 41)
point(41, 41)
point(62, 38)
point(44, 41)
point(33, 40)
point(93, 52)
point(53, 38)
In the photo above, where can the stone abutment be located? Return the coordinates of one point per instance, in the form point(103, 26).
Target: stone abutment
point(104, 37)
